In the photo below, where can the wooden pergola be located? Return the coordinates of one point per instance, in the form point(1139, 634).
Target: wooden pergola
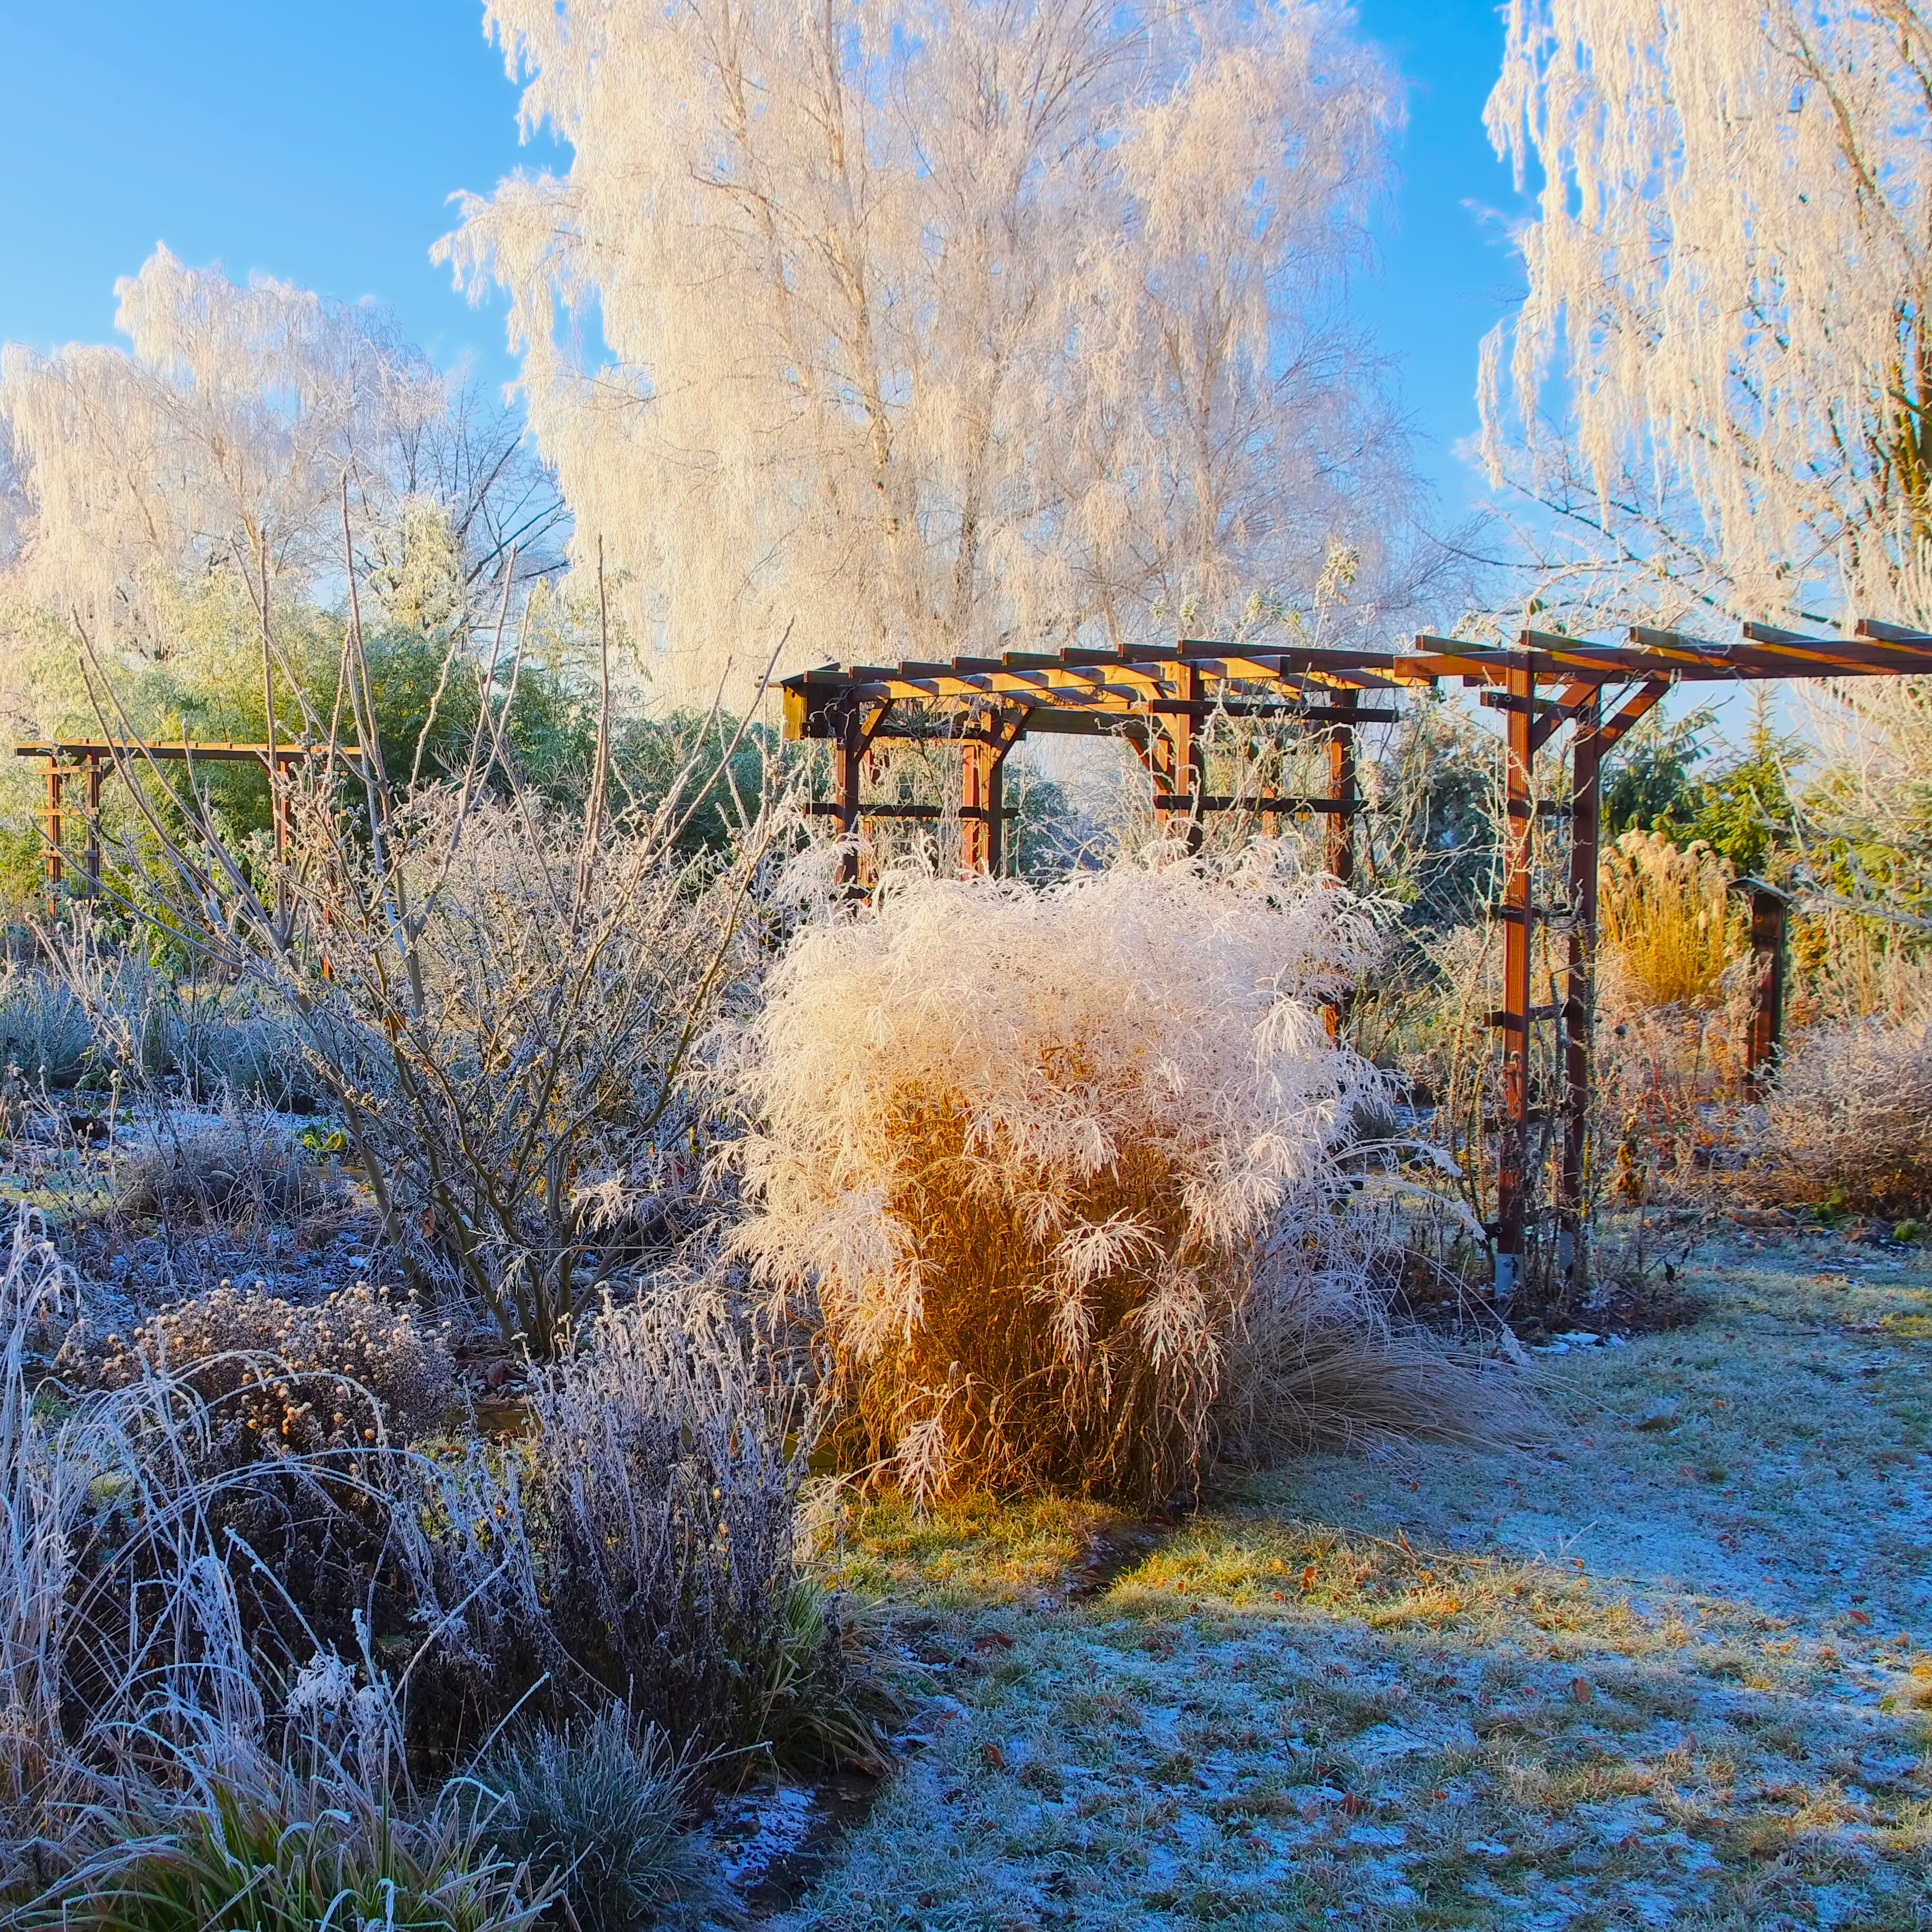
point(91, 759)
point(1559, 696)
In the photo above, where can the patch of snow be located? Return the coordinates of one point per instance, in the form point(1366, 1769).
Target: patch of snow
point(1388, 1740)
point(759, 1829)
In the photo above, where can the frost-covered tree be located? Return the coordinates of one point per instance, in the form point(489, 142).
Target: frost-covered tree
point(1730, 270)
point(217, 441)
point(940, 328)
point(216, 445)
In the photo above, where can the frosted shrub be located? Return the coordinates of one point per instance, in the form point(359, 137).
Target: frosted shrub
point(1023, 1149)
point(128, 1686)
point(235, 1171)
point(640, 1548)
point(602, 1804)
point(283, 1378)
point(301, 1415)
point(1850, 1116)
point(44, 1028)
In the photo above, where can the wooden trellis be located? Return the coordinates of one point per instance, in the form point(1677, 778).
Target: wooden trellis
point(1559, 696)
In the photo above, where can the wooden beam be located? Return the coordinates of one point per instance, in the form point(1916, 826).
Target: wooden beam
point(78, 751)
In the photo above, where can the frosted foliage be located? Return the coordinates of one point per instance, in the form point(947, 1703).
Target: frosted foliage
point(1109, 1088)
point(220, 439)
point(938, 328)
point(1731, 256)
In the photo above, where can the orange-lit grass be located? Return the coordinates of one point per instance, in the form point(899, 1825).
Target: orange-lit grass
point(1013, 1379)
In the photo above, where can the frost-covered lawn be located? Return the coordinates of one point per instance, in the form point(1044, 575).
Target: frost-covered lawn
point(1678, 1671)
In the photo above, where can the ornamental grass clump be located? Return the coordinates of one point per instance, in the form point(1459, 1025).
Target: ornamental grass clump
point(1021, 1149)
point(1669, 926)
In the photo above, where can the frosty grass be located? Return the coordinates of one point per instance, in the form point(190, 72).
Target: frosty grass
point(1676, 1668)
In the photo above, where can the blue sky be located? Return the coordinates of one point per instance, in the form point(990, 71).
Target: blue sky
point(321, 144)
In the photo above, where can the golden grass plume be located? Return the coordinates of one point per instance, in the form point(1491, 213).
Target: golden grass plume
point(1020, 1149)
point(1667, 919)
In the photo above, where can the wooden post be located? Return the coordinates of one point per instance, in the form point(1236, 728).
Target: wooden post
point(1191, 755)
point(995, 790)
point(1177, 756)
point(1341, 790)
point(278, 803)
point(1586, 764)
point(56, 870)
point(850, 751)
point(976, 774)
point(1513, 1151)
point(93, 825)
point(1769, 906)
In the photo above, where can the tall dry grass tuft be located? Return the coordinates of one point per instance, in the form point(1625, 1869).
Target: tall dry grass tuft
point(1020, 1149)
point(1668, 926)
point(1316, 1364)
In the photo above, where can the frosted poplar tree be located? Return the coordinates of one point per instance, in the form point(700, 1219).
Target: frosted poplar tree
point(940, 328)
point(1728, 275)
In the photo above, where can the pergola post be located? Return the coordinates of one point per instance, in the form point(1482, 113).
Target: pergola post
point(983, 808)
point(978, 782)
point(994, 788)
point(1177, 754)
point(846, 758)
point(1513, 1182)
point(1769, 906)
point(1586, 766)
point(93, 826)
point(278, 801)
point(1341, 790)
point(56, 869)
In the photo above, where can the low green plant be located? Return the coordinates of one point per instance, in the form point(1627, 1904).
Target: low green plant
point(824, 1694)
point(292, 1858)
point(601, 1807)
